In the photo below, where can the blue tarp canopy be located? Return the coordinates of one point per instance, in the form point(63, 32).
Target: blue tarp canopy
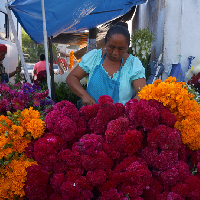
point(69, 16)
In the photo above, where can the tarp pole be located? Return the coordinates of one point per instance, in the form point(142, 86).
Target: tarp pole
point(91, 44)
point(18, 44)
point(52, 71)
point(45, 46)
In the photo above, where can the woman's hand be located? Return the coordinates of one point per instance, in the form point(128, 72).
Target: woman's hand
point(18, 69)
point(88, 100)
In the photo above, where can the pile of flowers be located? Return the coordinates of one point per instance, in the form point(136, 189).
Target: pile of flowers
point(16, 131)
point(176, 97)
point(21, 96)
point(112, 151)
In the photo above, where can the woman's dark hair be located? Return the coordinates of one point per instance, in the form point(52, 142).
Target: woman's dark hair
point(42, 57)
point(119, 28)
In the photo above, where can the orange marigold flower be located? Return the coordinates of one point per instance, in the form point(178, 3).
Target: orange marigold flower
point(36, 127)
point(13, 178)
point(20, 145)
point(16, 132)
point(30, 113)
point(4, 124)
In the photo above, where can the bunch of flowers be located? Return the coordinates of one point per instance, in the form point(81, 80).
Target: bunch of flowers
point(71, 59)
point(191, 89)
point(141, 41)
point(21, 96)
point(176, 97)
point(112, 151)
point(16, 131)
point(42, 76)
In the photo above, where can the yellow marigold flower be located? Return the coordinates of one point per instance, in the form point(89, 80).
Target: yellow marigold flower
point(36, 127)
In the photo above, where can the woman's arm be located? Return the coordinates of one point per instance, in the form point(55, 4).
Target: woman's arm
point(13, 73)
point(138, 84)
point(73, 82)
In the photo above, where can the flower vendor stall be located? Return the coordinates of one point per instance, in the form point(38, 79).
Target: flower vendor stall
point(147, 149)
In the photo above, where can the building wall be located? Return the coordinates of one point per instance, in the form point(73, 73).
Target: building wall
point(175, 24)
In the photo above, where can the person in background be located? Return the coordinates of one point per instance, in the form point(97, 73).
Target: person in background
point(111, 71)
point(39, 66)
point(3, 75)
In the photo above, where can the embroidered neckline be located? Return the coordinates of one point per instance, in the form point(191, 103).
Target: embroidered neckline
point(115, 75)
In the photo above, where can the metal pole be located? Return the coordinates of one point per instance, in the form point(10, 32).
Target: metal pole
point(45, 46)
point(52, 71)
point(91, 44)
point(18, 44)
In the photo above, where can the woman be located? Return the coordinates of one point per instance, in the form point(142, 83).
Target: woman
point(110, 71)
point(4, 77)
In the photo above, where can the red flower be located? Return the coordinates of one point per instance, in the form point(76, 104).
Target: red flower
point(36, 184)
point(42, 75)
point(87, 112)
point(152, 190)
point(45, 151)
point(112, 194)
point(56, 181)
point(165, 138)
point(104, 100)
point(88, 144)
point(68, 109)
point(133, 140)
point(193, 184)
point(97, 177)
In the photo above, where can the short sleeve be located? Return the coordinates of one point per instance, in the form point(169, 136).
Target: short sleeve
point(90, 60)
point(35, 66)
point(137, 70)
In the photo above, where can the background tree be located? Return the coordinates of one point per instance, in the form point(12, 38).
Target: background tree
point(31, 48)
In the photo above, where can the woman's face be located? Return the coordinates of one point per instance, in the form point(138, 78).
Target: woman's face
point(116, 47)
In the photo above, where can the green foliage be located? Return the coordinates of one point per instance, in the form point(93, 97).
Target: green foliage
point(18, 78)
point(63, 92)
point(141, 41)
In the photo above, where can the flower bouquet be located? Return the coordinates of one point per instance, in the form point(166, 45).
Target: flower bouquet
point(41, 80)
point(21, 96)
